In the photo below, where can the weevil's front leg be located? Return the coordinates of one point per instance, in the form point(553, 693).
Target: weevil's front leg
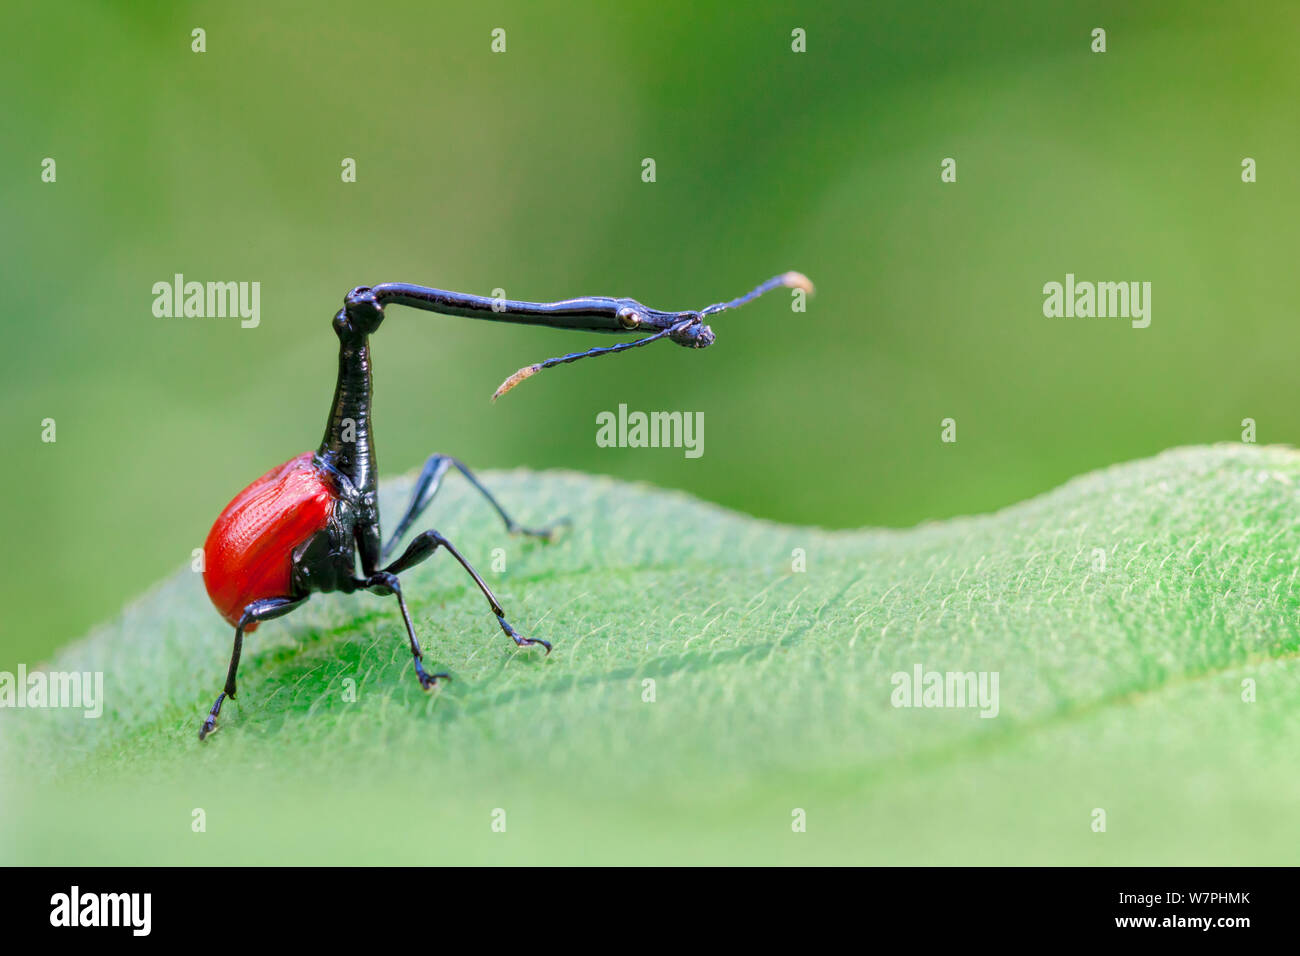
point(382, 582)
point(263, 610)
point(423, 547)
point(426, 486)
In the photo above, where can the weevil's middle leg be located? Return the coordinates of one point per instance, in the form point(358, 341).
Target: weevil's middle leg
point(423, 547)
point(426, 486)
point(384, 582)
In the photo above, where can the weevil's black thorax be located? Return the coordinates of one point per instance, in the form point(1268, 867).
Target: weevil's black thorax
point(348, 446)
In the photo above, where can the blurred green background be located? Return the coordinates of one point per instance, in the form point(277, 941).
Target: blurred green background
point(522, 171)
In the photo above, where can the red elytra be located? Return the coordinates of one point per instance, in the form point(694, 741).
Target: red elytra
point(249, 552)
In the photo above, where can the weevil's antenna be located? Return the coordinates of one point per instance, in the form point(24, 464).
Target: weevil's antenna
point(790, 280)
point(690, 330)
point(528, 371)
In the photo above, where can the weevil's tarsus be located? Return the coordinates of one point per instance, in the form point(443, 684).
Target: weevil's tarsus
point(519, 639)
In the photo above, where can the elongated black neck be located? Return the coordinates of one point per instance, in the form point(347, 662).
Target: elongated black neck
point(349, 446)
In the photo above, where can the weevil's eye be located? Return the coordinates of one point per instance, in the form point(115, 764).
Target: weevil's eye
point(629, 318)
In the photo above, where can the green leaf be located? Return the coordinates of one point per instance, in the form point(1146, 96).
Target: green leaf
point(1120, 688)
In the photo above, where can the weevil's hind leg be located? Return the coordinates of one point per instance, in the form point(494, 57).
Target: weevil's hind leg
point(423, 547)
point(426, 486)
point(384, 582)
point(263, 610)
